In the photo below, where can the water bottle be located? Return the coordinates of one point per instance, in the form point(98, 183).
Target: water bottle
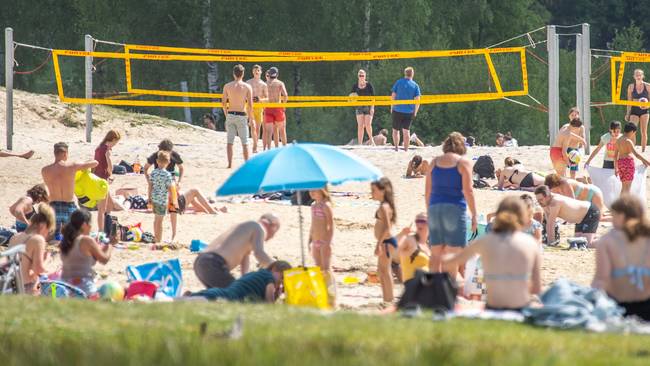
point(136, 165)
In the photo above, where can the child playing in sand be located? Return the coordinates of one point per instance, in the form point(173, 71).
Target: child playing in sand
point(321, 234)
point(623, 160)
point(386, 248)
point(159, 190)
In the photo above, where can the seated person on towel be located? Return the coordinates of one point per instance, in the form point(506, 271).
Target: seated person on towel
point(511, 259)
point(233, 248)
point(263, 285)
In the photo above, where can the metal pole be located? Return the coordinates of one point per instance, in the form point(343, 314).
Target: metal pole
point(186, 99)
point(579, 71)
point(300, 221)
point(9, 85)
point(89, 87)
point(586, 85)
point(553, 83)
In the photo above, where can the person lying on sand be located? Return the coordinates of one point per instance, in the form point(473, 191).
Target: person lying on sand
point(263, 285)
point(417, 167)
point(7, 154)
point(515, 176)
point(192, 198)
point(232, 248)
point(511, 259)
point(380, 139)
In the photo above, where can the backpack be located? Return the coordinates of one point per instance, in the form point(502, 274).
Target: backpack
point(429, 290)
point(480, 184)
point(119, 170)
point(484, 167)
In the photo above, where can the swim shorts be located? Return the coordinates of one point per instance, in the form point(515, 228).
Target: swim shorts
point(63, 211)
point(236, 126)
point(589, 223)
point(274, 115)
point(159, 210)
point(402, 121)
point(258, 115)
point(212, 270)
point(626, 169)
point(447, 225)
point(556, 154)
point(363, 110)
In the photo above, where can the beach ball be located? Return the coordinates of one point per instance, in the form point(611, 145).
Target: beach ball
point(575, 156)
point(643, 100)
point(111, 291)
point(134, 234)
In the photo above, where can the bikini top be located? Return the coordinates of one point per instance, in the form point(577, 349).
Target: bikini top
point(515, 172)
point(317, 210)
point(635, 273)
point(643, 94)
point(506, 277)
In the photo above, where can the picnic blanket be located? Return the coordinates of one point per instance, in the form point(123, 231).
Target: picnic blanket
point(166, 274)
point(611, 185)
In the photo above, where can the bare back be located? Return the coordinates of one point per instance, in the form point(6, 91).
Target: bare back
point(34, 254)
point(624, 146)
point(569, 209)
point(277, 91)
point(59, 179)
point(239, 242)
point(237, 94)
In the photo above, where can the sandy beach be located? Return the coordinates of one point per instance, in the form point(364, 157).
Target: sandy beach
point(40, 121)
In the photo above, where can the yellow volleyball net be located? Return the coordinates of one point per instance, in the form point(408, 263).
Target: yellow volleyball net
point(622, 67)
point(143, 53)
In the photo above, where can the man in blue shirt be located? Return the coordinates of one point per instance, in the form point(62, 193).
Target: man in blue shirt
point(403, 114)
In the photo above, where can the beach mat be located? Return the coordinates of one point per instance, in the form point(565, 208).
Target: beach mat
point(610, 185)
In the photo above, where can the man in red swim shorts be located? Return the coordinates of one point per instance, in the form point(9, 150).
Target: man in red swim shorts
point(276, 115)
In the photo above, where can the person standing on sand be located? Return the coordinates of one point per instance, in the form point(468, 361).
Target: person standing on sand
point(276, 117)
point(566, 139)
point(623, 161)
point(638, 92)
point(238, 108)
point(609, 141)
point(386, 247)
point(403, 114)
point(59, 177)
point(233, 248)
point(260, 95)
point(26, 155)
point(364, 114)
point(104, 170)
point(320, 238)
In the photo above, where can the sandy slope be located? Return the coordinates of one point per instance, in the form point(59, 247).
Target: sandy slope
point(41, 121)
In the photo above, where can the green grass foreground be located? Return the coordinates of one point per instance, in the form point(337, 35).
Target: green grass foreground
point(38, 331)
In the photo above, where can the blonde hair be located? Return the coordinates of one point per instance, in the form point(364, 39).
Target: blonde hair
point(408, 72)
point(509, 162)
point(44, 214)
point(509, 216)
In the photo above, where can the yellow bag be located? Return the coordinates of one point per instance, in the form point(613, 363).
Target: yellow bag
point(305, 287)
point(89, 188)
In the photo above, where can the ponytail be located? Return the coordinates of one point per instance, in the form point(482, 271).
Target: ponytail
point(72, 229)
point(637, 228)
point(636, 222)
point(44, 214)
point(509, 216)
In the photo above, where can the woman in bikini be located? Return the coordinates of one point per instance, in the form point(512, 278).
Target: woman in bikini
point(321, 234)
point(32, 263)
point(638, 92)
point(623, 258)
point(417, 167)
point(573, 189)
point(413, 248)
point(515, 176)
point(23, 209)
point(386, 248)
point(511, 259)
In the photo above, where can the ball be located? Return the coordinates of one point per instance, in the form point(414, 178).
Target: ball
point(643, 100)
point(111, 291)
point(134, 234)
point(575, 156)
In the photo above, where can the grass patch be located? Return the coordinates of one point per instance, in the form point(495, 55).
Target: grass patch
point(68, 120)
point(73, 332)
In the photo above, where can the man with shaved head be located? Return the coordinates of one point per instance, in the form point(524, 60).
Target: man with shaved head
point(233, 248)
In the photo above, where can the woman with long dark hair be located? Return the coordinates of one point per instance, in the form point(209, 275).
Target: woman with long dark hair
point(80, 252)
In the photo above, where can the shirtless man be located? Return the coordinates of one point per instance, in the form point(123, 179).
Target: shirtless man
point(380, 139)
point(6, 154)
point(238, 108)
point(232, 248)
point(276, 116)
point(570, 137)
point(260, 94)
point(584, 214)
point(623, 157)
point(59, 179)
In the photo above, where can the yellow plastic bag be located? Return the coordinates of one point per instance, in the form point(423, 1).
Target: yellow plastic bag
point(89, 188)
point(305, 287)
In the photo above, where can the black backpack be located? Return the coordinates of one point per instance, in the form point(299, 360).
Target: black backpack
point(429, 290)
point(484, 167)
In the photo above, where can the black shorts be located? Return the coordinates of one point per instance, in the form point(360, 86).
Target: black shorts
point(212, 270)
point(640, 309)
point(636, 111)
point(589, 223)
point(402, 121)
point(608, 164)
point(362, 110)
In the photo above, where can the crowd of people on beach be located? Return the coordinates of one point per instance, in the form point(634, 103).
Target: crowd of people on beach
point(511, 250)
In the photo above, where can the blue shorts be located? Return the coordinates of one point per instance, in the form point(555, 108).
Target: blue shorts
point(447, 225)
point(62, 211)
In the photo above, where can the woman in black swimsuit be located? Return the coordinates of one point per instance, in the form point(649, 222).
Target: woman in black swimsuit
point(638, 91)
point(515, 176)
point(363, 88)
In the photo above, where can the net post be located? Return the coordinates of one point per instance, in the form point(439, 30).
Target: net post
point(579, 72)
point(553, 82)
point(586, 85)
point(186, 99)
point(89, 87)
point(9, 85)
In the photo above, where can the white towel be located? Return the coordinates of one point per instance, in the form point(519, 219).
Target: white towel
point(611, 185)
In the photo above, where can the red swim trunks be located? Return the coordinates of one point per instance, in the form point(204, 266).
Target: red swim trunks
point(274, 115)
point(626, 169)
point(556, 154)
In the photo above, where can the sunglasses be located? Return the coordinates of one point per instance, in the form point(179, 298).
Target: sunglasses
point(421, 221)
point(362, 76)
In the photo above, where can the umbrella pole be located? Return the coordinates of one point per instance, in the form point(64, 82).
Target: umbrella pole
point(300, 220)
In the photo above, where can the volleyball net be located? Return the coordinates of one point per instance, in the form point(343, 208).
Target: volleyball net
point(622, 67)
point(502, 84)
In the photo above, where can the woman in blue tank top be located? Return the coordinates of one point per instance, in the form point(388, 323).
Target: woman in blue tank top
point(449, 193)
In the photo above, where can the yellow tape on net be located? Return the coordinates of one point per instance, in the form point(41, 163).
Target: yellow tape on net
point(617, 81)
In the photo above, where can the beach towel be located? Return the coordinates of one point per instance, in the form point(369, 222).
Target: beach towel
point(611, 185)
point(166, 274)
